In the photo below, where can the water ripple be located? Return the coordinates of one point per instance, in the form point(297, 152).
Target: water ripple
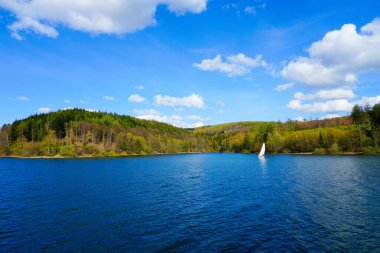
point(191, 203)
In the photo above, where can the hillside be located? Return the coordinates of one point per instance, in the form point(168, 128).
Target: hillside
point(77, 132)
point(245, 126)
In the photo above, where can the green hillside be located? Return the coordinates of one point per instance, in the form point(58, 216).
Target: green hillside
point(77, 132)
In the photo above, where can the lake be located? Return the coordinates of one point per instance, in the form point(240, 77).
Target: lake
point(191, 203)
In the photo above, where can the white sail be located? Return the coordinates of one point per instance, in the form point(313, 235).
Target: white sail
point(262, 151)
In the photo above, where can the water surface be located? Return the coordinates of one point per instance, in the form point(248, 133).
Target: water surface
point(191, 203)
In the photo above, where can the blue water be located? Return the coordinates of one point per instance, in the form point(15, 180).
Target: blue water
point(191, 203)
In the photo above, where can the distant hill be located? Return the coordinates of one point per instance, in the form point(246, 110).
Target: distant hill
point(77, 132)
point(232, 127)
point(244, 126)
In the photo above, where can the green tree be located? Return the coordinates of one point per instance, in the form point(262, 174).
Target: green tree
point(374, 116)
point(357, 115)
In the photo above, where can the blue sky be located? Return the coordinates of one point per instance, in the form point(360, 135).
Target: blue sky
point(189, 63)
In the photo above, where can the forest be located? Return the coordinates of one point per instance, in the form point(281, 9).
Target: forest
point(81, 133)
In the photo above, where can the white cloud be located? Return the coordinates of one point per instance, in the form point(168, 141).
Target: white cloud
point(250, 10)
point(44, 110)
point(108, 98)
point(313, 73)
point(67, 101)
point(95, 16)
point(330, 116)
point(368, 100)
point(235, 65)
point(326, 95)
point(145, 112)
point(339, 58)
point(92, 110)
point(285, 86)
point(337, 105)
point(194, 100)
point(179, 109)
point(174, 120)
point(299, 119)
point(83, 102)
point(72, 108)
point(136, 98)
point(22, 98)
point(196, 124)
point(28, 23)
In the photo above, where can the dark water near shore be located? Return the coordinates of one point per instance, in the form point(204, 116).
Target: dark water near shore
point(191, 203)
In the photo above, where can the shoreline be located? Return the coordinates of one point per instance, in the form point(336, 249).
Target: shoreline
point(84, 157)
point(179, 153)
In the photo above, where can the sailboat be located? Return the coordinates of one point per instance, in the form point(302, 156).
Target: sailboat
point(262, 151)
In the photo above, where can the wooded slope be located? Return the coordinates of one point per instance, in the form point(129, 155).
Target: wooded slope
point(78, 132)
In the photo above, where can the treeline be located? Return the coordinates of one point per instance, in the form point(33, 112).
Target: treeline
point(77, 132)
point(358, 133)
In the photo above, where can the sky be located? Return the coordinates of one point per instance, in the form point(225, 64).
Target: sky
point(189, 62)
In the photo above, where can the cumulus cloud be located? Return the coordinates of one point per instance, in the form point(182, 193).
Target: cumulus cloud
point(174, 120)
point(285, 86)
point(337, 105)
point(95, 17)
point(339, 58)
point(313, 73)
point(67, 101)
point(234, 65)
point(326, 95)
point(108, 98)
point(145, 112)
point(336, 101)
point(368, 101)
point(194, 100)
point(330, 116)
point(136, 98)
point(44, 110)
